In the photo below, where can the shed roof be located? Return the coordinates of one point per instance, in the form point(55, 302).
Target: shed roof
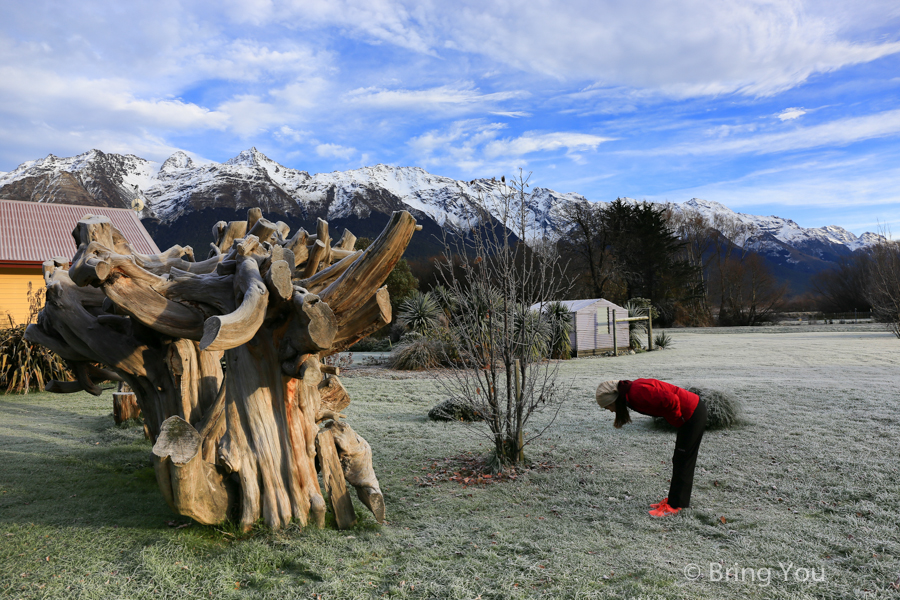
point(573, 305)
point(32, 232)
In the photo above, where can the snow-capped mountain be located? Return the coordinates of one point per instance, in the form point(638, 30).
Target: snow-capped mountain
point(181, 195)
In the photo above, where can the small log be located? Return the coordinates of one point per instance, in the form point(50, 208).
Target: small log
point(323, 236)
point(278, 280)
point(316, 254)
point(356, 459)
point(125, 407)
point(315, 327)
point(253, 215)
point(226, 233)
point(263, 229)
point(282, 229)
point(191, 486)
point(297, 245)
point(347, 241)
point(333, 477)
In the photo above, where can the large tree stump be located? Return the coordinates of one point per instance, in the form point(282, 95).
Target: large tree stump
point(241, 442)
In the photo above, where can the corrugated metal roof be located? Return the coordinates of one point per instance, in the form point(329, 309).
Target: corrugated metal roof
point(572, 305)
point(35, 232)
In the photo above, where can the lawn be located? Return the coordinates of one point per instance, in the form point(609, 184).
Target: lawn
point(811, 481)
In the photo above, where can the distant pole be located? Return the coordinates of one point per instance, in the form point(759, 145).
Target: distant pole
point(650, 332)
point(615, 344)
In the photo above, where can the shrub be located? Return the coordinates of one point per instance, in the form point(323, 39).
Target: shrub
point(454, 410)
point(663, 340)
point(725, 410)
point(23, 365)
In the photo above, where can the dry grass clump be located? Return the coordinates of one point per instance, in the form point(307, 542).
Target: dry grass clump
point(417, 354)
point(725, 409)
point(452, 409)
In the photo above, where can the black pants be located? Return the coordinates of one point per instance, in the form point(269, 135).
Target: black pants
point(687, 444)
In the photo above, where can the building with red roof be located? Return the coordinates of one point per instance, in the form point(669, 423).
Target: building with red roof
point(32, 232)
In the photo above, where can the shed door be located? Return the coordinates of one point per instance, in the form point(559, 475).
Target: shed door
point(601, 326)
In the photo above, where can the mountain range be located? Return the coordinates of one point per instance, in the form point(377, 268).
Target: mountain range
point(180, 199)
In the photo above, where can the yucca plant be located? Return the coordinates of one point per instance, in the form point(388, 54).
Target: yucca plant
point(559, 319)
point(23, 365)
point(663, 340)
point(532, 334)
point(637, 330)
point(420, 312)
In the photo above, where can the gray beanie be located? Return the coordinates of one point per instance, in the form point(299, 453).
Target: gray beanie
point(607, 392)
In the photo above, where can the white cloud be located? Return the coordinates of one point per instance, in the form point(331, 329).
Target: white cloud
point(473, 145)
point(444, 97)
point(684, 48)
point(335, 151)
point(547, 142)
point(97, 102)
point(789, 114)
point(839, 132)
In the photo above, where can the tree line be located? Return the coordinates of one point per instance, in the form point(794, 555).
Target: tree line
point(695, 271)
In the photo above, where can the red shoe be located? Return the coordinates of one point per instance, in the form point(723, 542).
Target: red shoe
point(664, 511)
point(660, 504)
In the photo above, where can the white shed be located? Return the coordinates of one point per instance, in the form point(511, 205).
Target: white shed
point(591, 331)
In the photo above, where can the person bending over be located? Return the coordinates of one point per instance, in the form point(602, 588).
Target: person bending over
point(682, 409)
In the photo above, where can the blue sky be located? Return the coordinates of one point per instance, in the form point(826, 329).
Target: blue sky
point(769, 107)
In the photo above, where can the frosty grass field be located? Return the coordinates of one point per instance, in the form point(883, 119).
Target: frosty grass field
point(802, 502)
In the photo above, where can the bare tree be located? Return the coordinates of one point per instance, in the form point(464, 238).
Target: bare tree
point(883, 283)
point(732, 244)
point(503, 374)
point(700, 237)
point(752, 294)
point(844, 287)
point(588, 242)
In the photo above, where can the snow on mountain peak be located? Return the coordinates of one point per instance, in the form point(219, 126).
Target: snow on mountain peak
point(249, 158)
point(178, 160)
point(181, 185)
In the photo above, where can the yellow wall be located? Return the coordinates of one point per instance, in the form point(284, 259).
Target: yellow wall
point(14, 293)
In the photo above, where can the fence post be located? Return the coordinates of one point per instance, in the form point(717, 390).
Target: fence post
point(520, 439)
point(650, 332)
point(615, 343)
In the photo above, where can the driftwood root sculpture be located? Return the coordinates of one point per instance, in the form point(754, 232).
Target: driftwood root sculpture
point(239, 442)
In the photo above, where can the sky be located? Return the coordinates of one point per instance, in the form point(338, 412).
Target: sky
point(789, 108)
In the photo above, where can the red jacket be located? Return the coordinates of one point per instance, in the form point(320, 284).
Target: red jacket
point(660, 399)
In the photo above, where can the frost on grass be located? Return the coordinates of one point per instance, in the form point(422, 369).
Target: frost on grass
point(812, 479)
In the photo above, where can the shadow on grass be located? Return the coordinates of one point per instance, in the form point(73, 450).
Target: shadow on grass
point(60, 467)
